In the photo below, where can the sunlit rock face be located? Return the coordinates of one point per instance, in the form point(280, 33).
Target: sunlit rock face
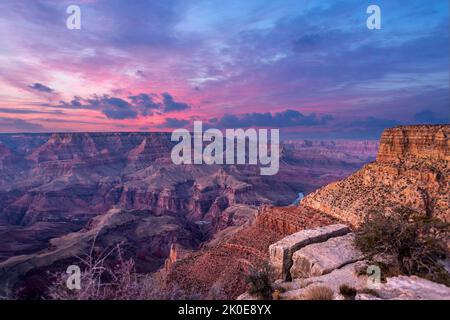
point(415, 142)
point(411, 170)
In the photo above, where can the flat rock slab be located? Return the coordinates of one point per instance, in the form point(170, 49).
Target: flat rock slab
point(395, 288)
point(281, 252)
point(413, 288)
point(298, 289)
point(322, 258)
point(248, 296)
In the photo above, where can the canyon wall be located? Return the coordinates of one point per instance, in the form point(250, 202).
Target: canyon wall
point(411, 170)
point(415, 142)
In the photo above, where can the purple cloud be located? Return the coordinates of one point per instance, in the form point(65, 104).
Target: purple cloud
point(41, 88)
point(170, 105)
point(284, 119)
point(127, 108)
point(15, 125)
point(173, 123)
point(429, 117)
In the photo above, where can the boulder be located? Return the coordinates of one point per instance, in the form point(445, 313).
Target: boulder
point(281, 252)
point(395, 288)
point(322, 258)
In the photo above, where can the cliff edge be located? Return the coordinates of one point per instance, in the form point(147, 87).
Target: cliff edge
point(411, 170)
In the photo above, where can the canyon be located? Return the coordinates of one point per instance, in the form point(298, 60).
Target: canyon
point(411, 171)
point(62, 193)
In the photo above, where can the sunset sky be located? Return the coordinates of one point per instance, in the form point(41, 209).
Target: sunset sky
point(311, 68)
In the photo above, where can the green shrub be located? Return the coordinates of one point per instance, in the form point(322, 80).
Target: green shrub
point(416, 242)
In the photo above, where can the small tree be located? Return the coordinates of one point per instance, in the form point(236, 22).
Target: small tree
point(416, 242)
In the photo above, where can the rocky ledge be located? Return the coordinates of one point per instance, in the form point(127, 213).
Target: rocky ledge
point(326, 257)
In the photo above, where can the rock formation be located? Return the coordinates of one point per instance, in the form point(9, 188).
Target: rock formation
point(282, 251)
point(171, 259)
point(229, 258)
point(322, 258)
point(419, 142)
point(411, 170)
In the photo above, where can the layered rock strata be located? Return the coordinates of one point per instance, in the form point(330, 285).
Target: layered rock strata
point(411, 170)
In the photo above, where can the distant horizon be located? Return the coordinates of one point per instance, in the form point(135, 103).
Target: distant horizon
point(282, 139)
point(169, 132)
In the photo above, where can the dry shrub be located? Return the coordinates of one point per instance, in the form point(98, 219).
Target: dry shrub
point(348, 292)
point(259, 281)
point(276, 295)
point(416, 242)
point(278, 290)
point(120, 281)
point(319, 293)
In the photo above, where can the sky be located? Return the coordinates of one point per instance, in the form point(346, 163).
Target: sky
point(311, 68)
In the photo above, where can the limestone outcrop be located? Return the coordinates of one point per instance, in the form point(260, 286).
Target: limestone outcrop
point(347, 275)
point(281, 252)
point(322, 258)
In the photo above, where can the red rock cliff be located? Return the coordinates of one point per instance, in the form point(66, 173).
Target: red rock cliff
point(411, 170)
point(415, 141)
